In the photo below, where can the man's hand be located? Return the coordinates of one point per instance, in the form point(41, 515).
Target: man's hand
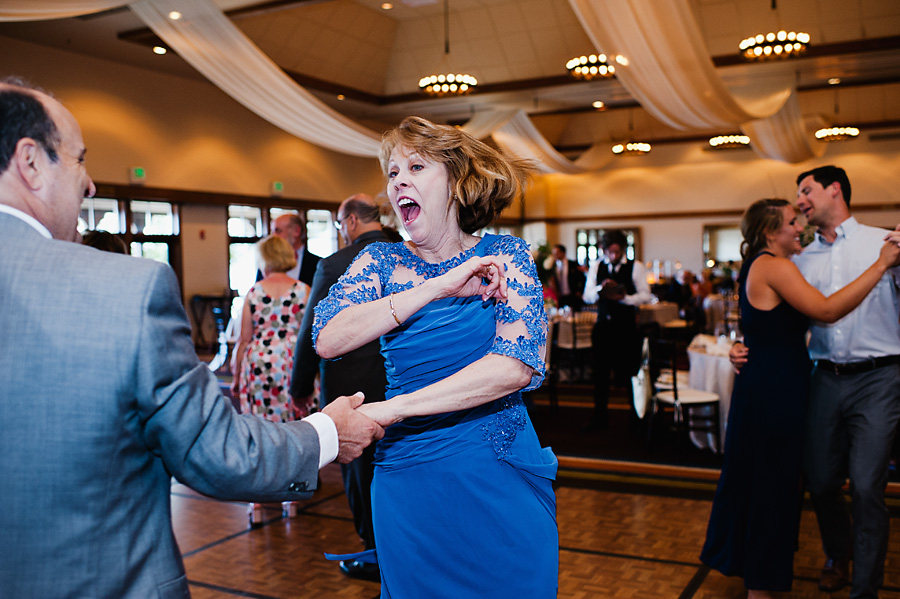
point(355, 431)
point(738, 356)
point(611, 290)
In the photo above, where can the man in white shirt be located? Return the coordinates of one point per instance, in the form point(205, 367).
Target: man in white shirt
point(618, 286)
point(855, 387)
point(854, 398)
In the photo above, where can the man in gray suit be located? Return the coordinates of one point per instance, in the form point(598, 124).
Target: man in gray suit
point(104, 399)
point(359, 370)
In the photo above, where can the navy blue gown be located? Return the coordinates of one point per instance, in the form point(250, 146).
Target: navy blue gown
point(755, 517)
point(462, 502)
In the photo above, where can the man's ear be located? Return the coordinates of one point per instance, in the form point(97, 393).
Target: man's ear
point(29, 161)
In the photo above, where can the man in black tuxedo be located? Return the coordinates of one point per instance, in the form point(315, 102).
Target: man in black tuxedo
point(292, 228)
point(619, 286)
point(360, 370)
point(569, 279)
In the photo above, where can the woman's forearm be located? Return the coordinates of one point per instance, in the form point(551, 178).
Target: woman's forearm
point(360, 324)
point(485, 380)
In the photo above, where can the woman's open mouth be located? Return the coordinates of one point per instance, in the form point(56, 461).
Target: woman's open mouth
point(409, 210)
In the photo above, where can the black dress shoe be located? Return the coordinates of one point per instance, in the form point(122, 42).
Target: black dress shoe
point(360, 570)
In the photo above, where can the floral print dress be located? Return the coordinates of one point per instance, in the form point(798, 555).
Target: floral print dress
point(265, 376)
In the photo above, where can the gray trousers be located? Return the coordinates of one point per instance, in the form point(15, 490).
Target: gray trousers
point(850, 431)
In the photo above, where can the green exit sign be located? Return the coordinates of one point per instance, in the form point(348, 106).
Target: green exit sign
point(137, 175)
point(277, 188)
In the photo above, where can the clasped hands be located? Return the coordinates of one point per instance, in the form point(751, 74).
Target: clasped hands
point(356, 431)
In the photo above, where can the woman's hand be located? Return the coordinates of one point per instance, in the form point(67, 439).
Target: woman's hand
point(890, 251)
point(738, 356)
point(381, 412)
point(466, 279)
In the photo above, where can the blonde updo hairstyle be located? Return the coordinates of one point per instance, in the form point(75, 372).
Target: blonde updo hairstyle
point(274, 254)
point(760, 219)
point(483, 180)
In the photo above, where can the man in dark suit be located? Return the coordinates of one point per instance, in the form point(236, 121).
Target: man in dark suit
point(618, 286)
point(292, 228)
point(104, 399)
point(569, 279)
point(359, 370)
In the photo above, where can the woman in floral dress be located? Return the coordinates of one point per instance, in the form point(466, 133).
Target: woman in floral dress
point(264, 357)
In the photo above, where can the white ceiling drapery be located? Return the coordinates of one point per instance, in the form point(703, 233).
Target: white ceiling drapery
point(668, 71)
point(667, 68)
point(213, 45)
point(29, 10)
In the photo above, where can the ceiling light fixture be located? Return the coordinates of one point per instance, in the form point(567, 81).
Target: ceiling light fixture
point(836, 133)
point(447, 84)
point(599, 105)
point(175, 15)
point(722, 142)
point(590, 67)
point(159, 50)
point(631, 148)
point(772, 46)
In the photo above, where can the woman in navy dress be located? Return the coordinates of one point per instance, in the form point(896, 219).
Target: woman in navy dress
point(755, 517)
point(462, 501)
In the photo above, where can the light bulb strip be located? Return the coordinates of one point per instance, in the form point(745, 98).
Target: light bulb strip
point(452, 84)
point(631, 148)
point(783, 44)
point(590, 66)
point(836, 133)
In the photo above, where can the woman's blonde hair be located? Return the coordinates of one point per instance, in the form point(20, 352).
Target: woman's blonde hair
point(274, 254)
point(761, 218)
point(484, 181)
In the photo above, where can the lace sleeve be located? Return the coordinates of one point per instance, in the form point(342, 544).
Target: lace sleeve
point(521, 322)
point(362, 282)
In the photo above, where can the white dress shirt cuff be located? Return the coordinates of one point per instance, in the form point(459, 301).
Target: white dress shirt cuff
point(328, 436)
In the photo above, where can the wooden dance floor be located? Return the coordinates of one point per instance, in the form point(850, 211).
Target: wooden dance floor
point(618, 539)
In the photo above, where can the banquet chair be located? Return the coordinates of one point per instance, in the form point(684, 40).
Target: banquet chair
point(569, 350)
point(694, 410)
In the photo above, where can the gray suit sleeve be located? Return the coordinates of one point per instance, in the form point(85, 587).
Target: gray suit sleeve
point(186, 420)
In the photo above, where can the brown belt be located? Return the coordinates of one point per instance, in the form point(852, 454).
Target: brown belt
point(856, 367)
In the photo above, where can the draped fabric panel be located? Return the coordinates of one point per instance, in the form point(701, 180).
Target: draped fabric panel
point(519, 137)
point(668, 68)
point(786, 136)
point(29, 10)
point(213, 45)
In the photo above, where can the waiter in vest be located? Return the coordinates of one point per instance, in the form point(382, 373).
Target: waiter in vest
point(618, 286)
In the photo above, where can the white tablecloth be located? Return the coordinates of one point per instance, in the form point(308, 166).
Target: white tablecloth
point(711, 371)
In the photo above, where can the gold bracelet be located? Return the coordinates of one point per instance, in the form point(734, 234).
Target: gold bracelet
point(394, 314)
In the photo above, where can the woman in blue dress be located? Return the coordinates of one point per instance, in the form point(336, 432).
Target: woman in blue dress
point(755, 517)
point(462, 498)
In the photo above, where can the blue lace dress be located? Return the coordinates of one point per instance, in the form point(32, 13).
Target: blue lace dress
point(462, 502)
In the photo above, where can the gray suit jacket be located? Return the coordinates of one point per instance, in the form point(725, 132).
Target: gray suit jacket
point(359, 370)
point(104, 400)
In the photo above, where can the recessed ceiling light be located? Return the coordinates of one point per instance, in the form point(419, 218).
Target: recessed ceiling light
point(599, 105)
point(387, 5)
point(174, 15)
point(159, 50)
point(834, 81)
point(341, 96)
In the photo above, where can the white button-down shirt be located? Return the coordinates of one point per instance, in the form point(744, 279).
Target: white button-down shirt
point(873, 328)
point(642, 294)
